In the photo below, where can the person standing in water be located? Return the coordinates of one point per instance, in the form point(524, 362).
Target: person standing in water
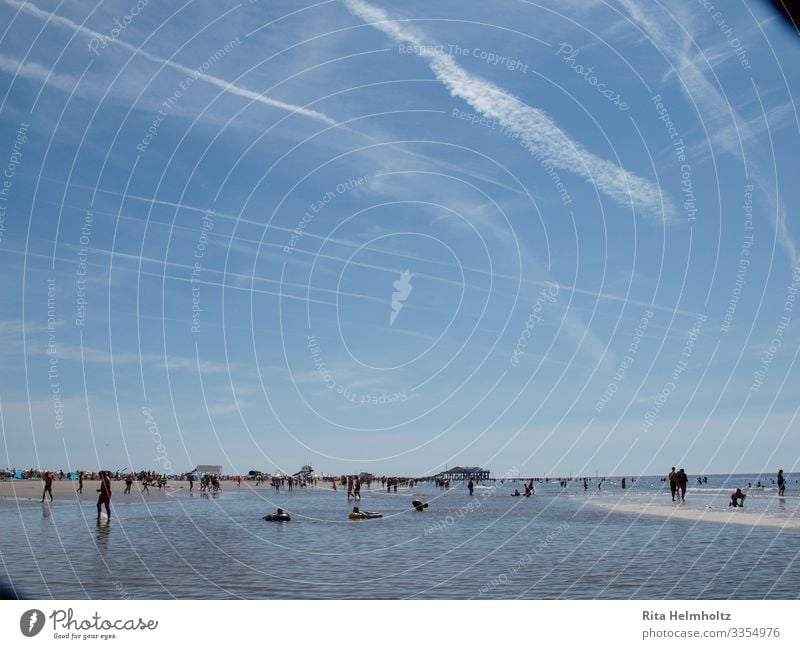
point(781, 483)
point(80, 482)
point(682, 480)
point(673, 483)
point(48, 485)
point(470, 486)
point(105, 495)
point(128, 483)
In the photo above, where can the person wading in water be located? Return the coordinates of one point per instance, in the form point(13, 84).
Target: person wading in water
point(105, 495)
point(682, 480)
point(673, 482)
point(48, 485)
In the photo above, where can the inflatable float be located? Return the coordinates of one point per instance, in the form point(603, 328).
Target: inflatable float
point(277, 518)
point(359, 515)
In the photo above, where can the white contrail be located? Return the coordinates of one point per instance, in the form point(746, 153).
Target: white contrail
point(33, 10)
point(717, 113)
point(535, 127)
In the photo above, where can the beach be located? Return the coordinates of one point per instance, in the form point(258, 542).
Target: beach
point(13, 492)
point(710, 511)
point(562, 543)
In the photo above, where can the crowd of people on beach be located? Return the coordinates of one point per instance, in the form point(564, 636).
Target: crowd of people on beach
point(211, 484)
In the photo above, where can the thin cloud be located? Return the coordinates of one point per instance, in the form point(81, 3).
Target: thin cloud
point(36, 72)
point(97, 356)
point(536, 128)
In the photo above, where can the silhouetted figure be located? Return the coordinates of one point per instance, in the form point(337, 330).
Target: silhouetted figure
point(470, 486)
point(673, 483)
point(781, 483)
point(80, 482)
point(48, 485)
point(105, 494)
point(682, 480)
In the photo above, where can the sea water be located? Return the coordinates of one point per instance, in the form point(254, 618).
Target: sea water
point(556, 544)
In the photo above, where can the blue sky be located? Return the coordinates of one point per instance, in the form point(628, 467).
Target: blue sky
point(595, 203)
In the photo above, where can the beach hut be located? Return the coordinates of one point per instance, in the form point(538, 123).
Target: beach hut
point(305, 473)
point(464, 473)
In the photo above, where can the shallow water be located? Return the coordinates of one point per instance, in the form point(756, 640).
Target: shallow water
point(554, 545)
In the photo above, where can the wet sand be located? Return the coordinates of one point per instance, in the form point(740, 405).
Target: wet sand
point(788, 519)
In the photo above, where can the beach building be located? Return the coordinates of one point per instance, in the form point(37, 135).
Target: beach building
point(464, 473)
point(210, 469)
point(305, 473)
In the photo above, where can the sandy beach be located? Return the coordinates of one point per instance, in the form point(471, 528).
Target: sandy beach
point(789, 520)
point(15, 492)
